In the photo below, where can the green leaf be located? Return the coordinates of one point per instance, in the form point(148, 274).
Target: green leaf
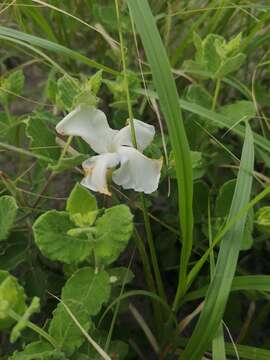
point(211, 57)
point(42, 138)
point(198, 95)
point(219, 289)
point(10, 85)
point(247, 240)
point(259, 283)
point(82, 206)
point(230, 65)
point(239, 111)
point(215, 56)
point(8, 210)
point(117, 349)
point(67, 89)
point(262, 219)
point(224, 198)
point(68, 163)
point(15, 35)
point(223, 204)
point(23, 322)
point(120, 275)
point(197, 161)
point(95, 82)
point(38, 350)
point(51, 236)
point(14, 251)
point(12, 297)
point(84, 294)
point(200, 200)
point(169, 102)
point(114, 230)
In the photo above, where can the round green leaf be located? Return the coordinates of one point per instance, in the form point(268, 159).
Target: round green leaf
point(12, 297)
point(114, 230)
point(8, 209)
point(51, 236)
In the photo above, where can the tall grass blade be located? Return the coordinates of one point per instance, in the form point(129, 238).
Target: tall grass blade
point(219, 289)
point(168, 97)
point(54, 47)
point(240, 283)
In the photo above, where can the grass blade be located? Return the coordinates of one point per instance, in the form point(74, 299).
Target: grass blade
point(168, 97)
point(219, 289)
point(54, 47)
point(240, 283)
point(245, 352)
point(222, 122)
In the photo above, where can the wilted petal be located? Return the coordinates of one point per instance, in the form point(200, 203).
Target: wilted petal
point(96, 171)
point(137, 171)
point(91, 125)
point(144, 135)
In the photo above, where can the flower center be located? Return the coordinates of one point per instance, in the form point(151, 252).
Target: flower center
point(112, 148)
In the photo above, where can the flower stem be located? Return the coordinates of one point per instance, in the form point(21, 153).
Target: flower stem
point(217, 89)
point(148, 229)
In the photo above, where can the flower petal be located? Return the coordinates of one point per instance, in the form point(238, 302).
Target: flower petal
point(137, 171)
point(144, 135)
point(91, 125)
point(96, 171)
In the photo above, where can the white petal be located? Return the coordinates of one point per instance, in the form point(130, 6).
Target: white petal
point(144, 135)
point(137, 171)
point(91, 125)
point(96, 171)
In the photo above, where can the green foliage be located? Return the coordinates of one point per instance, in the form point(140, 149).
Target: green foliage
point(11, 86)
point(262, 219)
point(52, 238)
point(117, 350)
point(120, 275)
point(118, 90)
point(223, 204)
point(113, 231)
point(70, 92)
point(41, 136)
point(84, 294)
point(218, 292)
point(198, 165)
point(23, 322)
point(239, 111)
point(67, 89)
point(216, 56)
point(12, 298)
point(82, 206)
point(67, 163)
point(62, 241)
point(38, 350)
point(8, 211)
point(72, 236)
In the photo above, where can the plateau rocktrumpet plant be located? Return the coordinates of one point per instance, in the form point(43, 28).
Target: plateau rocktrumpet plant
point(117, 155)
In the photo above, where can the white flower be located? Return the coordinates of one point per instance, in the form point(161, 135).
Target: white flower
point(136, 171)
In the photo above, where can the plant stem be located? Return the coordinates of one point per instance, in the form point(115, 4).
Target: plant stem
point(35, 328)
point(153, 254)
point(53, 173)
point(134, 141)
point(217, 89)
point(182, 283)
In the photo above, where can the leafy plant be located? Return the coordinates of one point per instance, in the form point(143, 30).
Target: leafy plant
point(134, 182)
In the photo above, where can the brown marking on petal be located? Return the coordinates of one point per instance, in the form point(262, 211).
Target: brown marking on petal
point(88, 171)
